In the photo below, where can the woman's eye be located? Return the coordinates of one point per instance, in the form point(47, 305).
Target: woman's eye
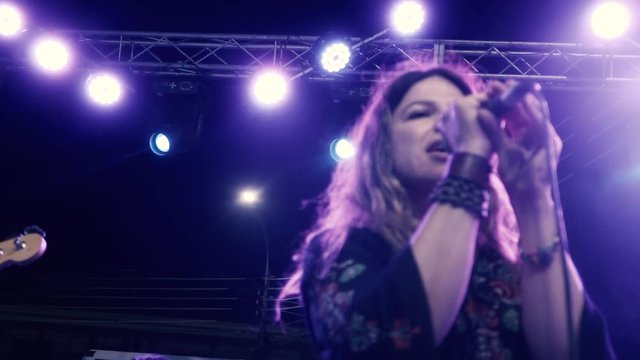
point(419, 114)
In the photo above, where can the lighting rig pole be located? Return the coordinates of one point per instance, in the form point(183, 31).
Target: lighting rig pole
point(262, 349)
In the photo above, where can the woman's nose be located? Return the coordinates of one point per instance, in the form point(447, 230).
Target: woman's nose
point(444, 117)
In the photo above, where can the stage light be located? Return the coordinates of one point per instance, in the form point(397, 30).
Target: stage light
point(610, 20)
point(178, 123)
point(249, 197)
point(103, 89)
point(335, 56)
point(160, 143)
point(407, 17)
point(342, 149)
point(50, 54)
point(11, 22)
point(270, 87)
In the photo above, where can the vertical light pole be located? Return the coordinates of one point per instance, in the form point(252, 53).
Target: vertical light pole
point(250, 198)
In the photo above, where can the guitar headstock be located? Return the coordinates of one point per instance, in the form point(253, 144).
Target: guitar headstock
point(22, 249)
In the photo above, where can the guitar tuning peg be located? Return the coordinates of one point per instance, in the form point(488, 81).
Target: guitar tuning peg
point(19, 243)
point(33, 229)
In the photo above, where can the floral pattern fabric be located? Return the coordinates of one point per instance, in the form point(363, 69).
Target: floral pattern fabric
point(371, 304)
point(489, 325)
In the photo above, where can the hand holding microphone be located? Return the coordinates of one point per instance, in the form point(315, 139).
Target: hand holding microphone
point(486, 121)
point(510, 97)
point(523, 167)
point(511, 105)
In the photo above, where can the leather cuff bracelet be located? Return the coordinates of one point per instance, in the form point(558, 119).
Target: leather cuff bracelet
point(471, 167)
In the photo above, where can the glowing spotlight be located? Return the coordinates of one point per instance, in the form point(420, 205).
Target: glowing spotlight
point(270, 87)
point(249, 197)
point(335, 57)
point(104, 89)
point(160, 143)
point(407, 17)
point(610, 20)
point(11, 21)
point(50, 54)
point(342, 149)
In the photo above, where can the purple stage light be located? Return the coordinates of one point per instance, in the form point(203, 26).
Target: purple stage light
point(104, 89)
point(11, 21)
point(610, 19)
point(270, 87)
point(335, 57)
point(407, 17)
point(50, 54)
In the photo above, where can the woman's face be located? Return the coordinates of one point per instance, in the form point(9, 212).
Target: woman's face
point(419, 156)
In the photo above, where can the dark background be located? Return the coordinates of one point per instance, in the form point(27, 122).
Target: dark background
point(112, 208)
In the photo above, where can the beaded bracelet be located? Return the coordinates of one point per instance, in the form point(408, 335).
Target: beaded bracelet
point(541, 259)
point(464, 193)
point(466, 184)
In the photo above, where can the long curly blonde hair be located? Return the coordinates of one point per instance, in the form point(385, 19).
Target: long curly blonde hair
point(364, 192)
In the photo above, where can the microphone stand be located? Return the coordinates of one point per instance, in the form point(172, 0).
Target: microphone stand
point(561, 228)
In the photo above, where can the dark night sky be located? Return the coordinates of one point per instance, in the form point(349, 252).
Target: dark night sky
point(111, 206)
point(493, 20)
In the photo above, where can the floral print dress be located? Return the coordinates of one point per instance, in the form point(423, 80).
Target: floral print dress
point(371, 304)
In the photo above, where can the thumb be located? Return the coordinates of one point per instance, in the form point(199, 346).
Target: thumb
point(491, 127)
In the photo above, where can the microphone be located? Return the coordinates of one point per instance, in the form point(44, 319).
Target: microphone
point(509, 98)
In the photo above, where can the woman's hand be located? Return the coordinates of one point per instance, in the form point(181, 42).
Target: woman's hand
point(523, 159)
point(468, 127)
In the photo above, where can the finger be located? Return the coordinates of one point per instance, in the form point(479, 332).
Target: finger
point(512, 159)
point(511, 82)
point(491, 127)
point(520, 115)
point(533, 107)
point(516, 122)
point(555, 139)
point(495, 88)
point(488, 116)
point(533, 134)
point(479, 98)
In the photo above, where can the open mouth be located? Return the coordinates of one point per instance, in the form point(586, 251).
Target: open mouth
point(439, 146)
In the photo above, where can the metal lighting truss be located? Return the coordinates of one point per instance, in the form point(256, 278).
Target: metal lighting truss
point(240, 55)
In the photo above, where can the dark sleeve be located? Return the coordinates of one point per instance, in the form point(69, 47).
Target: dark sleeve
point(367, 306)
point(594, 342)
